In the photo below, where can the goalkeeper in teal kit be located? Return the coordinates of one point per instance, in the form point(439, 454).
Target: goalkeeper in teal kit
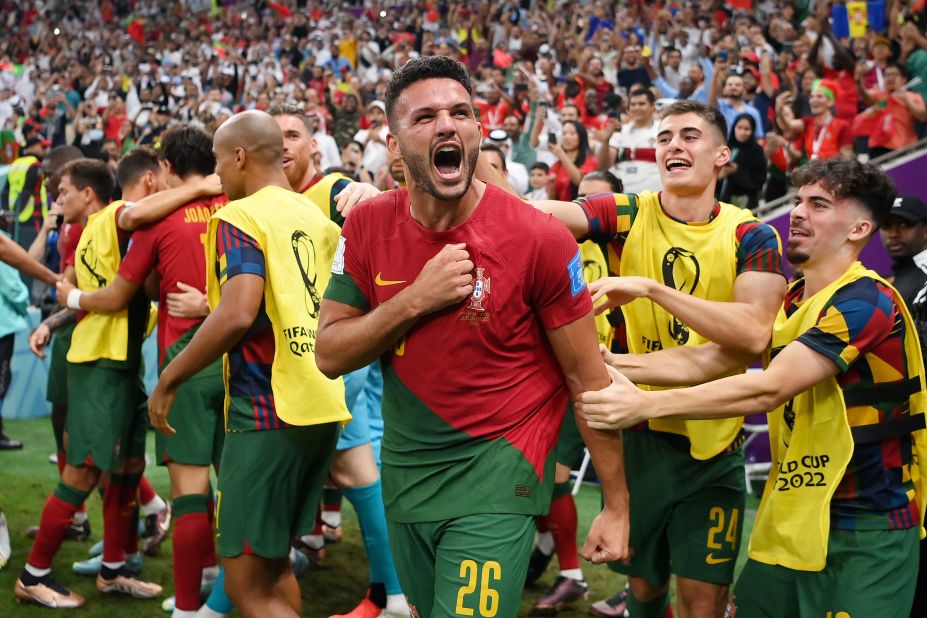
point(475, 304)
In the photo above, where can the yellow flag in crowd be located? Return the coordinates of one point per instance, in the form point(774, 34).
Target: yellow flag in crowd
point(859, 19)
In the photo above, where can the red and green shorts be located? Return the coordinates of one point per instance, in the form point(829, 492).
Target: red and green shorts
point(269, 487)
point(107, 415)
point(474, 565)
point(686, 514)
point(868, 573)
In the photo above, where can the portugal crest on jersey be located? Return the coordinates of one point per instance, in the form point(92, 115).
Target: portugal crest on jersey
point(480, 292)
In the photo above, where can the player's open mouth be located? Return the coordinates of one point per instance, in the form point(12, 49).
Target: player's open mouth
point(447, 159)
point(287, 162)
point(795, 232)
point(676, 164)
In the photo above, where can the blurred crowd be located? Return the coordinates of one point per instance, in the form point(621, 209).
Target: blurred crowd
point(564, 87)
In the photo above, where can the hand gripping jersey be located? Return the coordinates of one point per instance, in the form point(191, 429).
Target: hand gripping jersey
point(298, 243)
point(812, 441)
point(700, 260)
point(473, 395)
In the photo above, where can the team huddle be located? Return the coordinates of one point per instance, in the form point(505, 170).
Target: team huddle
point(461, 313)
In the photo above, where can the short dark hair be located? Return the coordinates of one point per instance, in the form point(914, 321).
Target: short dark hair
point(705, 112)
point(134, 164)
point(540, 165)
point(188, 150)
point(643, 92)
point(421, 68)
point(849, 179)
point(497, 150)
point(291, 109)
point(91, 173)
point(613, 181)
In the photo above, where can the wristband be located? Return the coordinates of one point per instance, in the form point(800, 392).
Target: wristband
point(74, 299)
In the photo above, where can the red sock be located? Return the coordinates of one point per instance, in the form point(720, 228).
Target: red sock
point(211, 508)
point(132, 533)
point(192, 542)
point(56, 517)
point(146, 492)
point(542, 524)
point(562, 523)
point(669, 612)
point(318, 522)
point(119, 503)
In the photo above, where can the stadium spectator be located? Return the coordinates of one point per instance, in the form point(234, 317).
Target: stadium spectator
point(743, 176)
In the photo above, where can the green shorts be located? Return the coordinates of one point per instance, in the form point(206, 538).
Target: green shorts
point(473, 565)
point(686, 514)
point(57, 390)
point(570, 445)
point(107, 416)
point(868, 573)
point(269, 487)
point(198, 415)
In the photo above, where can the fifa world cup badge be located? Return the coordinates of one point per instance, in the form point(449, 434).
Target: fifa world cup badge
point(480, 292)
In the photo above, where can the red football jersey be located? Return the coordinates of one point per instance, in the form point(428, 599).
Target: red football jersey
point(473, 390)
point(175, 247)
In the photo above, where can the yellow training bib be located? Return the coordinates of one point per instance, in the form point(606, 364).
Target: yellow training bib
point(700, 260)
point(812, 444)
point(96, 261)
point(299, 245)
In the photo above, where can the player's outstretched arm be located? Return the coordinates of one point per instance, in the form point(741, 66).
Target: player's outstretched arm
point(236, 312)
point(682, 366)
point(110, 299)
point(350, 338)
point(623, 405)
point(568, 213)
point(574, 345)
point(743, 324)
point(16, 256)
point(159, 205)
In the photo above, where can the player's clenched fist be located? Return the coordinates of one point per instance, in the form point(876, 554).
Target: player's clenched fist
point(445, 279)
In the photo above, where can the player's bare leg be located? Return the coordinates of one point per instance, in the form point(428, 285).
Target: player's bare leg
point(698, 599)
point(258, 586)
point(355, 471)
point(647, 599)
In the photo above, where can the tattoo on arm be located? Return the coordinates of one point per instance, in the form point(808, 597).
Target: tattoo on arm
point(62, 318)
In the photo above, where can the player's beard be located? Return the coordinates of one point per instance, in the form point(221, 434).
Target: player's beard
point(421, 172)
point(295, 173)
point(794, 256)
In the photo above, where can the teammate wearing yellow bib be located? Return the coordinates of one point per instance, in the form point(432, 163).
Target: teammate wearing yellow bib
point(354, 469)
point(837, 529)
point(267, 255)
point(692, 271)
point(104, 430)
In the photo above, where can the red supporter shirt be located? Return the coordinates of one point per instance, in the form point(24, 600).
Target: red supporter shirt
point(67, 243)
point(175, 247)
point(836, 134)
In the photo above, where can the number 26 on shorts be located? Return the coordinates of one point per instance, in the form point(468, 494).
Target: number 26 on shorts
point(474, 577)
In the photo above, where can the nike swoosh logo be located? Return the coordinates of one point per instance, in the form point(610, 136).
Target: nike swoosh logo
point(710, 559)
point(381, 281)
